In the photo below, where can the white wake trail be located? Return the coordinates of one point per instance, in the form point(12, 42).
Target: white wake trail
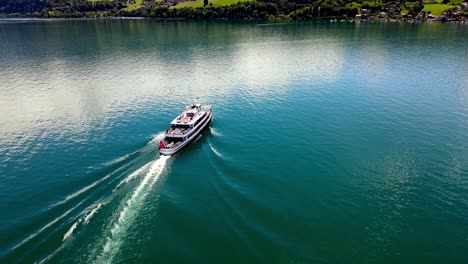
point(47, 226)
point(215, 132)
point(71, 196)
point(156, 138)
point(90, 215)
point(70, 231)
point(117, 160)
point(214, 150)
point(133, 175)
point(130, 211)
point(84, 219)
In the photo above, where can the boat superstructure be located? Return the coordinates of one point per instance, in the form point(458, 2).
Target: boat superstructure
point(185, 128)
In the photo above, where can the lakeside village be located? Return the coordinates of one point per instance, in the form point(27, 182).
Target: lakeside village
point(393, 12)
point(333, 10)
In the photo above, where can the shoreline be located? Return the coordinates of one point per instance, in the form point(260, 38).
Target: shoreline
point(264, 22)
point(243, 10)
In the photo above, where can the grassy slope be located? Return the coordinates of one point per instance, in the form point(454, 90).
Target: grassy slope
point(131, 7)
point(199, 3)
point(436, 9)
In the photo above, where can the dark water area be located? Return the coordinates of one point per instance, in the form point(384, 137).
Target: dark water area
point(331, 142)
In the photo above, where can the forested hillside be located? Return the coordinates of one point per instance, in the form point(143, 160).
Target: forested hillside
point(231, 9)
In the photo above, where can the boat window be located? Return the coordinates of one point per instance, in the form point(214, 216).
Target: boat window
point(199, 120)
point(170, 139)
point(178, 129)
point(170, 142)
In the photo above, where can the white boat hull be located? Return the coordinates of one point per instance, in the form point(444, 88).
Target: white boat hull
point(172, 151)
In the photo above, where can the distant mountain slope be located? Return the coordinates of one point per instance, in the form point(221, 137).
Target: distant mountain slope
point(238, 9)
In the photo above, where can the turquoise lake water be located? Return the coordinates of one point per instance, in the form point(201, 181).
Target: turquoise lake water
point(331, 142)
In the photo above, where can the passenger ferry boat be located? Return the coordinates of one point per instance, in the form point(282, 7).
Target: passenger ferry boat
point(185, 128)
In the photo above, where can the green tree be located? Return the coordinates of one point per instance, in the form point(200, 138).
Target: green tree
point(44, 13)
point(205, 2)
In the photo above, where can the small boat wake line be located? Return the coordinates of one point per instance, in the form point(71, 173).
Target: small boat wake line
point(215, 132)
point(47, 226)
point(120, 159)
point(85, 216)
point(214, 150)
point(71, 196)
point(84, 219)
point(130, 210)
point(90, 215)
point(70, 231)
point(156, 138)
point(133, 175)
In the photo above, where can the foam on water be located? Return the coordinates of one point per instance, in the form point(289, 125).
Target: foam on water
point(84, 219)
point(71, 196)
point(129, 212)
point(70, 231)
point(133, 175)
point(215, 132)
point(46, 226)
point(155, 138)
point(91, 214)
point(120, 159)
point(214, 150)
